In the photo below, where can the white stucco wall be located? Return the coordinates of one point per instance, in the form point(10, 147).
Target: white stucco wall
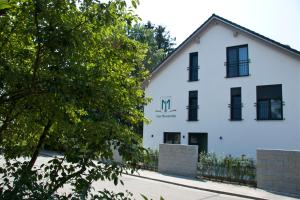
point(269, 65)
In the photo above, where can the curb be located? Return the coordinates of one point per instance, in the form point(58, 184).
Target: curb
point(199, 188)
point(50, 154)
point(183, 185)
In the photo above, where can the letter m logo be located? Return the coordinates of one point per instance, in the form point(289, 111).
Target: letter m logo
point(165, 104)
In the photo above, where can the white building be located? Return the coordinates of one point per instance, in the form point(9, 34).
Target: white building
point(228, 89)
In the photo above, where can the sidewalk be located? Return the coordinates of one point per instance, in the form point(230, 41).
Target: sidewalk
point(223, 188)
point(206, 185)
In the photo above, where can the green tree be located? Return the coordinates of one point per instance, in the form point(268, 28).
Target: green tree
point(69, 76)
point(163, 39)
point(4, 6)
point(157, 39)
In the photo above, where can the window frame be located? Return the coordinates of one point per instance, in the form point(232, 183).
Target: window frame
point(173, 133)
point(193, 69)
point(238, 64)
point(232, 104)
point(270, 118)
point(192, 107)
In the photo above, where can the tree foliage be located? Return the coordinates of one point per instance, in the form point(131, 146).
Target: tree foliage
point(4, 6)
point(69, 76)
point(157, 39)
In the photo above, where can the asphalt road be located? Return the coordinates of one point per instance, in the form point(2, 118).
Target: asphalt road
point(154, 190)
point(150, 188)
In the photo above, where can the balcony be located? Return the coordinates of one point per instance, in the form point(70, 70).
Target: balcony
point(192, 112)
point(237, 69)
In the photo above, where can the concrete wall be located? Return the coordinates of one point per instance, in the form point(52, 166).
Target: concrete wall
point(279, 170)
point(178, 159)
point(116, 156)
point(269, 65)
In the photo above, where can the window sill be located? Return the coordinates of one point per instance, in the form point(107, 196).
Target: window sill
point(193, 80)
point(237, 76)
point(196, 120)
point(270, 119)
point(235, 120)
point(170, 143)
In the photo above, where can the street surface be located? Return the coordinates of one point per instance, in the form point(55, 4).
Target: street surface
point(151, 189)
point(154, 189)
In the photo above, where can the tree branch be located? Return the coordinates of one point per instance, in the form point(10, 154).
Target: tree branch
point(8, 118)
point(19, 95)
point(37, 61)
point(65, 179)
point(39, 145)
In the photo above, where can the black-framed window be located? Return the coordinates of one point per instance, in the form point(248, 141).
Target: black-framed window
point(193, 106)
point(236, 104)
point(269, 102)
point(237, 63)
point(171, 138)
point(199, 139)
point(193, 67)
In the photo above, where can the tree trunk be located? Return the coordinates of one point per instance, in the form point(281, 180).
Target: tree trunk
point(39, 145)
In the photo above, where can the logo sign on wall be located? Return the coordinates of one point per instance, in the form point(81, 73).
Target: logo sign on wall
point(166, 109)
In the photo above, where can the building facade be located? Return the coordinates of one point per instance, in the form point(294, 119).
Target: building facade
point(228, 90)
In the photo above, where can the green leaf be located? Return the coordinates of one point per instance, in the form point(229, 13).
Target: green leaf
point(4, 5)
point(71, 81)
point(144, 197)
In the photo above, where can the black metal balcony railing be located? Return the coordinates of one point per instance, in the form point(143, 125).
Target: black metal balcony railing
point(192, 112)
point(269, 109)
point(193, 73)
point(235, 69)
point(193, 68)
point(235, 111)
point(236, 105)
point(192, 107)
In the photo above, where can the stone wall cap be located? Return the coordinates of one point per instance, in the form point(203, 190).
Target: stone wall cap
point(278, 150)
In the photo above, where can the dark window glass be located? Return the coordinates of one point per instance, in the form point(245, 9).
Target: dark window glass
point(237, 61)
point(171, 138)
point(263, 109)
point(236, 104)
point(199, 139)
point(269, 102)
point(193, 68)
point(193, 106)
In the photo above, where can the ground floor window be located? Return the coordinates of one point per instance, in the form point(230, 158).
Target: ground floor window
point(171, 138)
point(199, 139)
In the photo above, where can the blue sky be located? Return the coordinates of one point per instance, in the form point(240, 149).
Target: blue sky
point(276, 19)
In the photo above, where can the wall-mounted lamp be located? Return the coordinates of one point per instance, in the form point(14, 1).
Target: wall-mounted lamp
point(221, 138)
point(183, 136)
point(152, 135)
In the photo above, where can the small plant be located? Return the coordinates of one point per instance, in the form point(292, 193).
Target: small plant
point(150, 160)
point(234, 169)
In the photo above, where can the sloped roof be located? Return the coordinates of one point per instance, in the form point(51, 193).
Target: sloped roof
point(232, 24)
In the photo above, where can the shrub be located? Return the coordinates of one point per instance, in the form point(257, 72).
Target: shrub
point(227, 168)
point(150, 160)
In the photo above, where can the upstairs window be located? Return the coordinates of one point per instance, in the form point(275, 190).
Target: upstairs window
point(269, 102)
point(237, 61)
point(236, 104)
point(193, 68)
point(193, 106)
point(171, 138)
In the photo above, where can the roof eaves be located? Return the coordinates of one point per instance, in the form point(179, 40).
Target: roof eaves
point(181, 45)
point(214, 16)
point(285, 47)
